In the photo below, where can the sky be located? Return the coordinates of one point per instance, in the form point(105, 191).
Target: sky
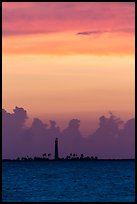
point(66, 60)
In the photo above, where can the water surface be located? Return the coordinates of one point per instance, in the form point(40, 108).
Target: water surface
point(108, 181)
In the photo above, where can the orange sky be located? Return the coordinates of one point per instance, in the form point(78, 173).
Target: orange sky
point(68, 58)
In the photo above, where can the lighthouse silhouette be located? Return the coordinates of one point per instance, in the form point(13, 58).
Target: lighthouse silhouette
point(56, 149)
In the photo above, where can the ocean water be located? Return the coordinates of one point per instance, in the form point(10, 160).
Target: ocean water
point(45, 181)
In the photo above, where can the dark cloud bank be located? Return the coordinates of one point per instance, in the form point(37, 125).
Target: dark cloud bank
point(112, 139)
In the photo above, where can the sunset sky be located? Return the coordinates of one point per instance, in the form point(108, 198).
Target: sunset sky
point(65, 60)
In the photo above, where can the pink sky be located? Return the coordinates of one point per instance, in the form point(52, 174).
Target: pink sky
point(45, 17)
point(73, 59)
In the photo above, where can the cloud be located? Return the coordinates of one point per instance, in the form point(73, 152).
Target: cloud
point(91, 32)
point(94, 32)
point(113, 138)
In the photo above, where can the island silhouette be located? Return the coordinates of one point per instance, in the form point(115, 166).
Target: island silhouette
point(46, 157)
point(70, 157)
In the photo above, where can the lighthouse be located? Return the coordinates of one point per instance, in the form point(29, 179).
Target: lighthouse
point(56, 149)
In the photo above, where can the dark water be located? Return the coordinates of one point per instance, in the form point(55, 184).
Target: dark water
point(68, 181)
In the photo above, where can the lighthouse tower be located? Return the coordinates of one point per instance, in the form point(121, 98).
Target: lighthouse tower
point(56, 149)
